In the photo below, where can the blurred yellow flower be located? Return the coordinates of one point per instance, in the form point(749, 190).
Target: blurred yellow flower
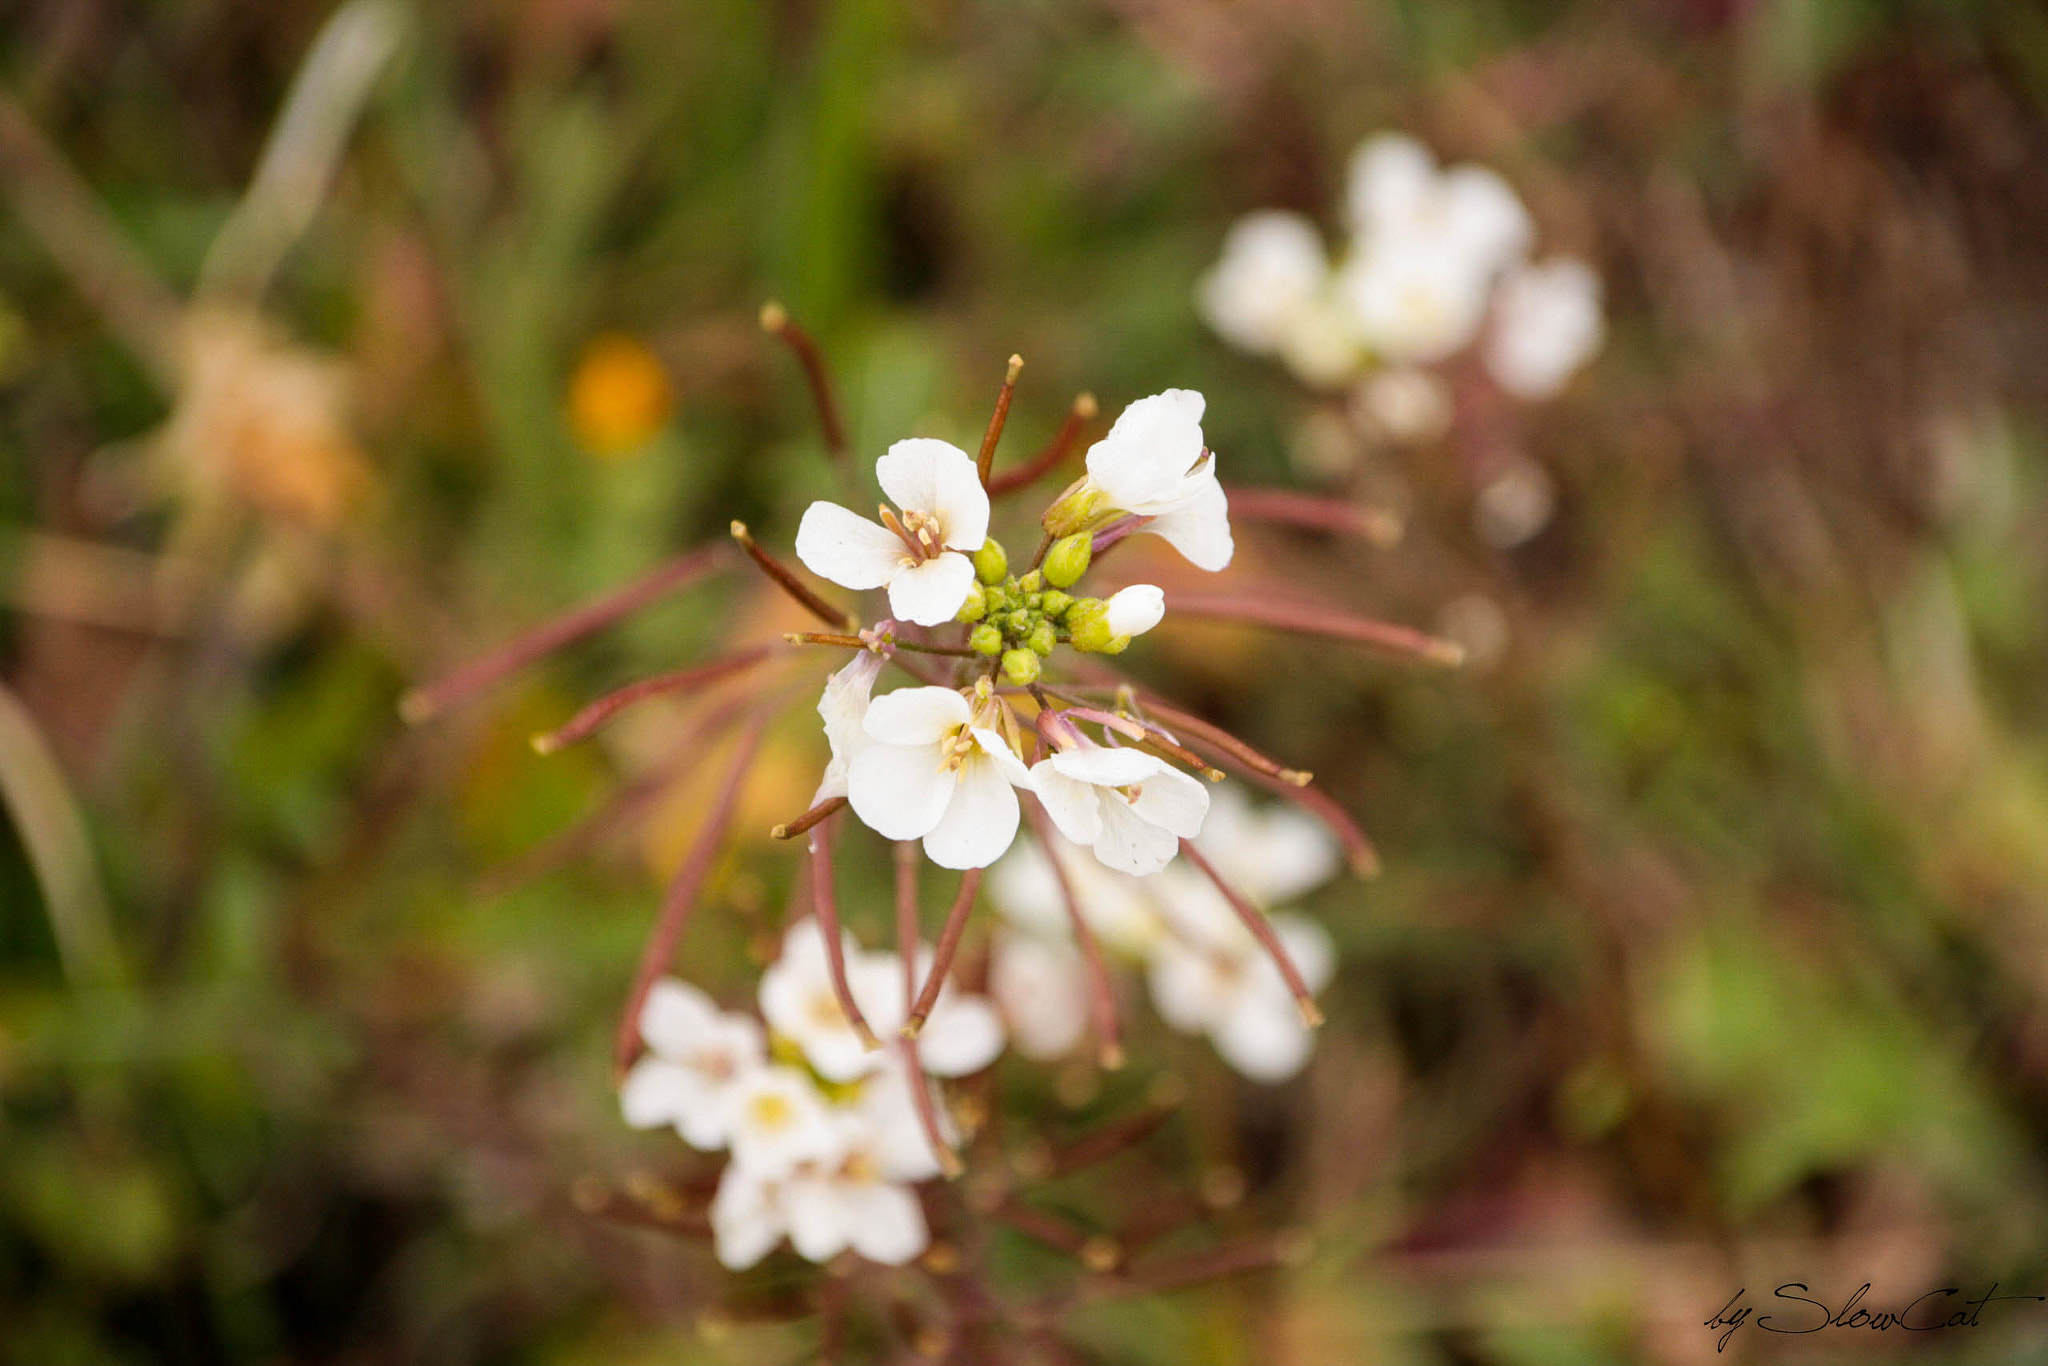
point(619, 396)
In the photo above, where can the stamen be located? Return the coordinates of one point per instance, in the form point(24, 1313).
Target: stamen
point(1377, 525)
point(1101, 997)
point(942, 956)
point(996, 421)
point(907, 857)
point(429, 700)
point(611, 704)
point(688, 881)
point(1255, 921)
point(1048, 460)
point(1259, 608)
point(903, 533)
point(786, 579)
point(825, 904)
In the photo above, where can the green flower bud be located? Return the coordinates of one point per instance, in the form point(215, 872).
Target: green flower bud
point(998, 597)
point(1055, 603)
point(1020, 666)
point(985, 639)
point(1068, 559)
point(1034, 600)
point(991, 564)
point(1019, 622)
point(1042, 638)
point(1032, 581)
point(975, 606)
point(1081, 508)
point(1088, 625)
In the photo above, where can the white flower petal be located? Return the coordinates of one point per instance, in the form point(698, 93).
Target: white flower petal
point(938, 479)
point(1149, 450)
point(656, 1092)
point(996, 748)
point(1023, 886)
point(1103, 766)
point(676, 1018)
point(916, 716)
point(899, 791)
point(1041, 986)
point(1309, 945)
point(1264, 1038)
point(1272, 266)
point(1390, 175)
point(963, 1035)
point(847, 548)
point(1484, 219)
point(1131, 844)
point(980, 821)
point(1547, 322)
point(1199, 526)
point(821, 1223)
point(1135, 610)
point(887, 1225)
point(1173, 800)
point(930, 593)
point(747, 1218)
point(843, 707)
point(1071, 802)
point(1185, 987)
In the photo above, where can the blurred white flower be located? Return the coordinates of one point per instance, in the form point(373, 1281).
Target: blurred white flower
point(1415, 300)
point(699, 1056)
point(1132, 808)
point(852, 1202)
point(1272, 853)
point(1546, 324)
point(1135, 610)
point(1041, 985)
point(1117, 907)
point(843, 708)
point(929, 772)
point(779, 1119)
point(1324, 346)
point(919, 555)
point(962, 1034)
point(749, 1216)
point(1273, 268)
point(1405, 402)
point(1396, 197)
point(1211, 977)
point(1153, 463)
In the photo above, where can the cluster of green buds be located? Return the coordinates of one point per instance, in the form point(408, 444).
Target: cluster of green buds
point(1022, 617)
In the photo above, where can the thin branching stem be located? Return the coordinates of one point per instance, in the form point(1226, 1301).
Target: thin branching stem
point(425, 702)
point(825, 905)
point(907, 857)
point(942, 956)
point(1262, 608)
point(1101, 996)
point(588, 720)
point(986, 460)
point(775, 320)
point(1255, 920)
point(676, 906)
point(1046, 461)
point(785, 578)
point(1376, 525)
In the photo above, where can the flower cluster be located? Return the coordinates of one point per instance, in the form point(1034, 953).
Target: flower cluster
point(825, 1136)
point(942, 764)
point(1436, 257)
point(1010, 717)
point(1207, 973)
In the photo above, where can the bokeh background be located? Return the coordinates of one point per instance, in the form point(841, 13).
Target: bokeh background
point(1711, 949)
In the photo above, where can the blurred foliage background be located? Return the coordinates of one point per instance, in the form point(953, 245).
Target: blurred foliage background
point(1712, 946)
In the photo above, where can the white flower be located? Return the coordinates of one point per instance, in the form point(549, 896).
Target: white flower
point(799, 1003)
point(853, 1202)
point(1406, 403)
point(1041, 984)
point(944, 512)
point(1153, 463)
point(1271, 853)
point(961, 1035)
point(929, 772)
point(1212, 977)
point(1429, 247)
point(779, 1120)
point(1273, 268)
point(1132, 808)
point(843, 707)
point(1323, 346)
point(1117, 907)
point(1396, 195)
point(1135, 610)
point(1414, 301)
point(1546, 324)
point(699, 1056)
point(749, 1216)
